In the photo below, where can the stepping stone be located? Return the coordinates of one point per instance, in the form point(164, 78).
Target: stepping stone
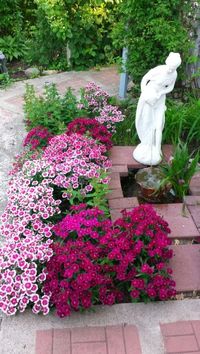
point(120, 339)
point(195, 212)
point(114, 194)
point(181, 224)
point(123, 203)
point(186, 265)
point(123, 155)
point(195, 185)
point(181, 337)
point(121, 169)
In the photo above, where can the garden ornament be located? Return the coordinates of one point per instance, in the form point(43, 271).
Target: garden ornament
point(150, 114)
point(3, 68)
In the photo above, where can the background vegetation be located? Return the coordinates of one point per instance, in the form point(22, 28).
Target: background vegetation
point(79, 34)
point(153, 29)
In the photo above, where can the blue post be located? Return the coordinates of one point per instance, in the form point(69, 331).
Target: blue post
point(124, 75)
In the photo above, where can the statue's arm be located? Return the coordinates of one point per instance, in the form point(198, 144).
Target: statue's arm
point(147, 77)
point(150, 76)
point(168, 87)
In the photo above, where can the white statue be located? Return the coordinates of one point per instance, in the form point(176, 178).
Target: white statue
point(150, 114)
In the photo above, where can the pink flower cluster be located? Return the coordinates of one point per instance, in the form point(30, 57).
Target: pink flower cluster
point(69, 162)
point(99, 263)
point(98, 104)
point(27, 244)
point(72, 161)
point(96, 97)
point(90, 127)
point(109, 116)
point(37, 137)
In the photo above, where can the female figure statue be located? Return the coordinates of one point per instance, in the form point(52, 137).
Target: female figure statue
point(150, 114)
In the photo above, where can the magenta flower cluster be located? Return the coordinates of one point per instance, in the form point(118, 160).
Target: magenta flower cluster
point(37, 137)
point(74, 274)
point(99, 263)
point(139, 252)
point(90, 127)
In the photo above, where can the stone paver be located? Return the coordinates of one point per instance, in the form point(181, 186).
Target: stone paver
point(195, 185)
point(180, 220)
point(186, 265)
point(181, 337)
point(123, 203)
point(121, 339)
point(123, 155)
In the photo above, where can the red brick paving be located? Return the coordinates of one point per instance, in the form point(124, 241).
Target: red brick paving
point(181, 337)
point(121, 155)
point(181, 223)
point(114, 194)
point(186, 265)
point(121, 339)
point(195, 212)
point(115, 182)
point(123, 203)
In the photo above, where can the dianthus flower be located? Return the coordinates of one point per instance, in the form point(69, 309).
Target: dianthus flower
point(27, 244)
point(37, 137)
point(75, 276)
point(139, 253)
point(97, 102)
point(95, 97)
point(92, 128)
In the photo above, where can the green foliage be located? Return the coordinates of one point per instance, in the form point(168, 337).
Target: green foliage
point(5, 80)
point(95, 198)
point(125, 131)
point(182, 122)
point(51, 110)
point(11, 18)
point(152, 29)
point(11, 36)
point(12, 47)
point(44, 48)
point(179, 171)
point(84, 27)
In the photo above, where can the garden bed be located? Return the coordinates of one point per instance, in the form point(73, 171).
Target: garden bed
point(61, 248)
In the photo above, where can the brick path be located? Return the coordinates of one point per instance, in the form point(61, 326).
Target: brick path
point(89, 340)
point(181, 337)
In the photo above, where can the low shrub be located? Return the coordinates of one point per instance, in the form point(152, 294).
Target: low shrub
point(138, 254)
point(51, 110)
point(95, 262)
point(74, 276)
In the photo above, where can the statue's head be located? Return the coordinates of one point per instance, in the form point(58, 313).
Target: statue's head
point(173, 61)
